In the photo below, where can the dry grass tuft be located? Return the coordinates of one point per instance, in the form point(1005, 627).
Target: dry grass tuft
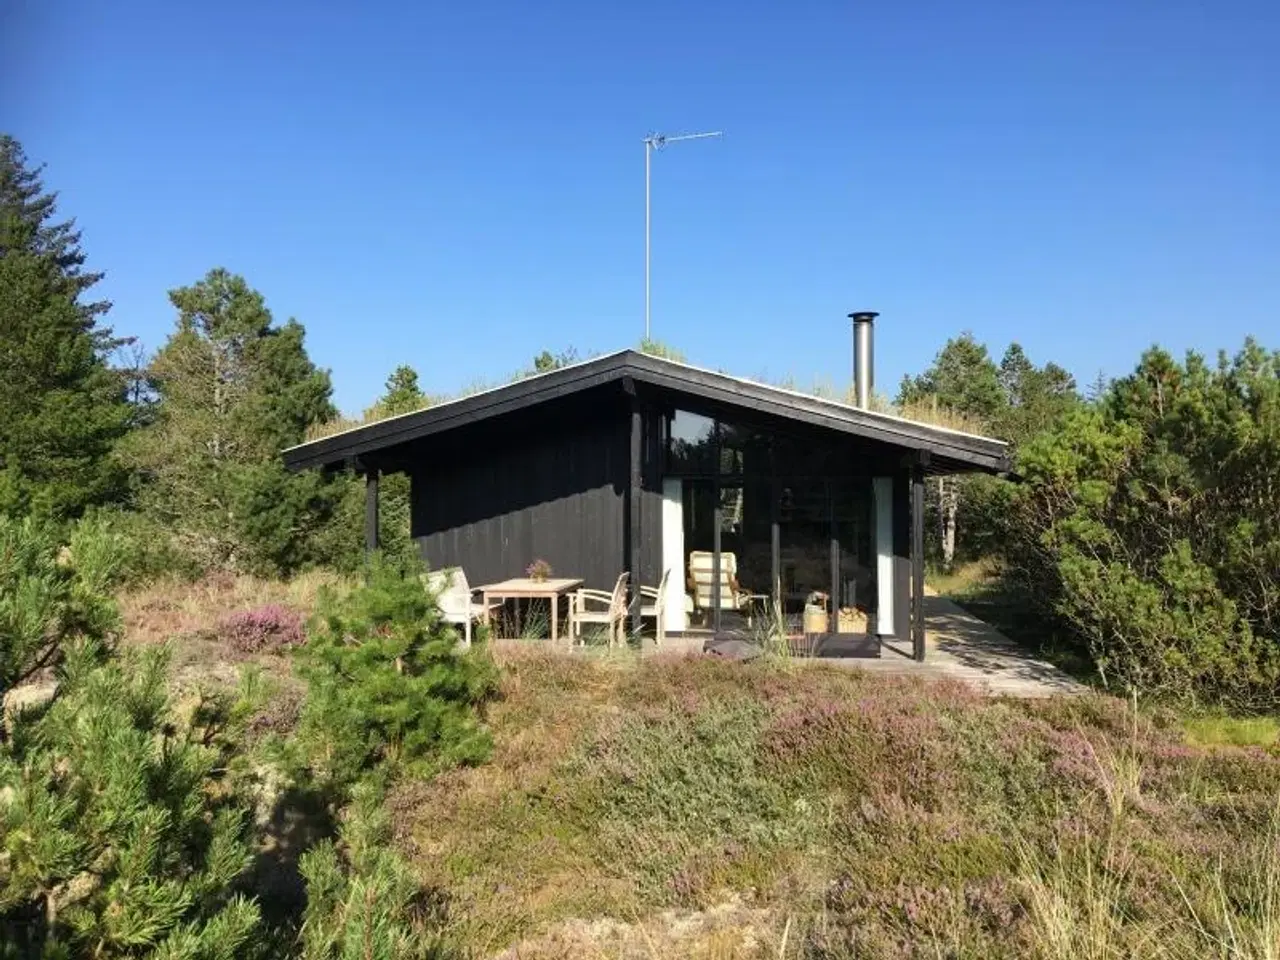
point(730, 930)
point(965, 580)
point(186, 615)
point(1074, 897)
point(931, 412)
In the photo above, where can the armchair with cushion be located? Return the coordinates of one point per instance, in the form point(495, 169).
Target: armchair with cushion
point(702, 582)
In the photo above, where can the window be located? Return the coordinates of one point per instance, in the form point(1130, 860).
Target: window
point(691, 444)
point(699, 446)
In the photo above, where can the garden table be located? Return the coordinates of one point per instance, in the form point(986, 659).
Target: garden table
point(526, 588)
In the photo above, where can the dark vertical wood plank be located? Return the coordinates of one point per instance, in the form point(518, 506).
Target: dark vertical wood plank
point(634, 494)
point(917, 562)
point(370, 509)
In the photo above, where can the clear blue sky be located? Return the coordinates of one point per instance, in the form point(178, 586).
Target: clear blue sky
point(458, 186)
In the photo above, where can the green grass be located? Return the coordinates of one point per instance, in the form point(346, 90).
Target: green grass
point(696, 808)
point(964, 580)
point(1216, 730)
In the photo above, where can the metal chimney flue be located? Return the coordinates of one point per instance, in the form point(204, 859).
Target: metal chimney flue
point(863, 357)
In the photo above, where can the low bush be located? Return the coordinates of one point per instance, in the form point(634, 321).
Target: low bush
point(363, 899)
point(272, 627)
point(387, 683)
point(148, 551)
point(1149, 524)
point(53, 591)
point(121, 834)
point(681, 800)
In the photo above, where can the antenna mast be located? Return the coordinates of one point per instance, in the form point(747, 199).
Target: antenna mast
point(656, 141)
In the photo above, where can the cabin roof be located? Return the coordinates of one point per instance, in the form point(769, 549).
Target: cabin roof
point(949, 450)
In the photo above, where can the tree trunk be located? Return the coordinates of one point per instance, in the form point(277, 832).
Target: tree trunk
point(221, 405)
point(948, 502)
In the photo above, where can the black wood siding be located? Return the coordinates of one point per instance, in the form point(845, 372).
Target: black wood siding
point(549, 484)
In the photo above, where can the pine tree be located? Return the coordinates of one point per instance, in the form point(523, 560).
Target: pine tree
point(1014, 401)
point(27, 224)
point(120, 835)
point(386, 683)
point(1149, 525)
point(51, 595)
point(962, 379)
point(233, 390)
point(403, 395)
point(117, 839)
point(1034, 396)
point(62, 408)
point(361, 895)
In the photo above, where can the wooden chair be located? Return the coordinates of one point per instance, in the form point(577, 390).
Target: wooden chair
point(653, 603)
point(454, 598)
point(597, 606)
point(702, 582)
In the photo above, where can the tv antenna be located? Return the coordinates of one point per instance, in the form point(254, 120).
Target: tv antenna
point(656, 141)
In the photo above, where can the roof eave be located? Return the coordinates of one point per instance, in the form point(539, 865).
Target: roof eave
point(340, 447)
point(964, 450)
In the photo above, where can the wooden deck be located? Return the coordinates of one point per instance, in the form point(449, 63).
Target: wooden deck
point(959, 646)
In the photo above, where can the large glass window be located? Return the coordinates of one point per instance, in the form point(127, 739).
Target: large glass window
point(810, 483)
point(691, 444)
point(804, 519)
point(698, 446)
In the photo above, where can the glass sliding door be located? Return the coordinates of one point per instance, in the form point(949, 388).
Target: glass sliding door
point(699, 498)
point(725, 502)
point(738, 486)
point(851, 508)
point(804, 521)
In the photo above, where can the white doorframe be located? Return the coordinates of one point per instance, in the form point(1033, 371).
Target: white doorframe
point(673, 552)
point(882, 497)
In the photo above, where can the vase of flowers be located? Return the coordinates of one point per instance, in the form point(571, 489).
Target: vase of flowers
point(538, 571)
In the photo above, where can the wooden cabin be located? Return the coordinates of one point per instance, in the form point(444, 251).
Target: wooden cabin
point(630, 462)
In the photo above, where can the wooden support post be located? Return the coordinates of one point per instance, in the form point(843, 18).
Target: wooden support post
point(370, 509)
point(775, 562)
point(868, 513)
point(717, 518)
point(834, 625)
point(917, 561)
point(775, 531)
point(633, 509)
